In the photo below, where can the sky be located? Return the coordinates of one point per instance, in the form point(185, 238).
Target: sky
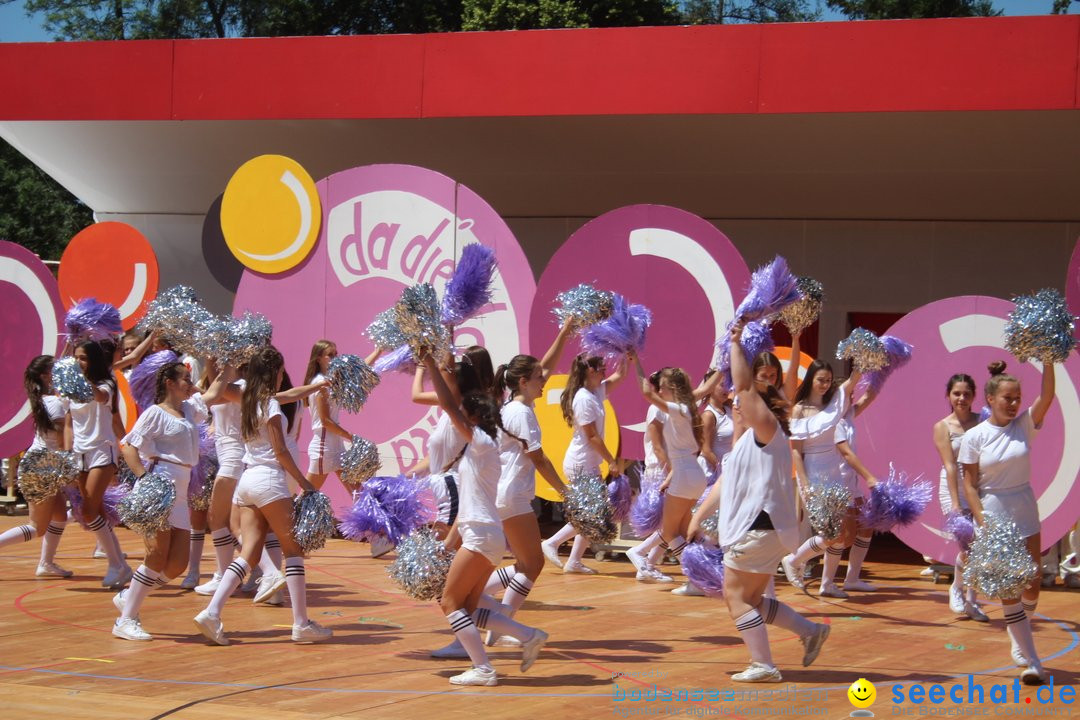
point(15, 26)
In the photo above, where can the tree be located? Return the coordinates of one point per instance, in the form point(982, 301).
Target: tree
point(1061, 7)
point(897, 9)
point(35, 211)
point(711, 12)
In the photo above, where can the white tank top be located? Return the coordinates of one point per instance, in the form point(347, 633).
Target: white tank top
point(725, 430)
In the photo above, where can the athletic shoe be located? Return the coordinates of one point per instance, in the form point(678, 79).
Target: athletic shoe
point(859, 586)
point(277, 599)
point(926, 571)
point(652, 575)
point(552, 555)
point(758, 673)
point(211, 628)
point(956, 599)
point(189, 582)
point(579, 568)
point(130, 629)
point(1032, 675)
point(530, 649)
point(476, 676)
point(52, 570)
point(119, 600)
point(100, 554)
point(639, 561)
point(380, 546)
point(793, 572)
point(812, 643)
point(268, 585)
point(313, 632)
point(830, 590)
point(454, 651)
point(117, 578)
point(507, 641)
point(252, 583)
point(209, 587)
point(975, 612)
point(688, 588)
point(1018, 657)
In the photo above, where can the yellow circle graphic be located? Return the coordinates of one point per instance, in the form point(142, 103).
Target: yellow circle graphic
point(862, 693)
point(556, 434)
point(270, 214)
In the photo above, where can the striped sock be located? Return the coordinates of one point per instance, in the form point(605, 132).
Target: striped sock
point(1019, 629)
point(51, 541)
point(676, 546)
point(1029, 607)
point(296, 580)
point(752, 628)
point(499, 580)
point(195, 548)
point(22, 533)
point(107, 539)
point(777, 613)
point(223, 548)
point(577, 552)
point(833, 554)
point(272, 547)
point(469, 637)
point(142, 582)
point(230, 580)
point(855, 558)
point(516, 592)
point(487, 618)
point(811, 548)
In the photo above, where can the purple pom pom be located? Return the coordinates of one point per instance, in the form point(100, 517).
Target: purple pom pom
point(703, 564)
point(113, 495)
point(960, 525)
point(204, 471)
point(899, 353)
point(647, 511)
point(772, 288)
point(89, 319)
point(756, 339)
point(470, 288)
point(389, 506)
point(401, 359)
point(984, 414)
point(894, 501)
point(620, 332)
point(621, 496)
point(143, 379)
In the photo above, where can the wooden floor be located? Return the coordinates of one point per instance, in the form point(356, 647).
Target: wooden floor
point(58, 657)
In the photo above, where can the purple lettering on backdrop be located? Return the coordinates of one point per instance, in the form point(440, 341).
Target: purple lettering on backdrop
point(964, 334)
point(1072, 281)
point(385, 227)
point(675, 263)
point(32, 316)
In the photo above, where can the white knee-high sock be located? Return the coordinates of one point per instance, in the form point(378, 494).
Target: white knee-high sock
point(469, 637)
point(198, 540)
point(856, 556)
point(561, 536)
point(230, 580)
point(22, 533)
point(51, 541)
point(643, 548)
point(811, 548)
point(272, 547)
point(516, 592)
point(770, 589)
point(1029, 607)
point(142, 582)
point(296, 580)
point(1019, 628)
point(267, 564)
point(777, 613)
point(832, 563)
point(107, 538)
point(488, 619)
point(499, 580)
point(581, 544)
point(223, 548)
point(752, 628)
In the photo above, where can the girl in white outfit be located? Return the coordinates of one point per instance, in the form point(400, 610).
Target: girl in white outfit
point(996, 455)
point(327, 436)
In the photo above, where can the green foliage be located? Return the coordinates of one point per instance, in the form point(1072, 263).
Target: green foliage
point(897, 9)
point(1061, 7)
point(35, 211)
point(712, 12)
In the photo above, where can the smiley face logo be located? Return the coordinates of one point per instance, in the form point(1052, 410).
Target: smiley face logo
point(862, 693)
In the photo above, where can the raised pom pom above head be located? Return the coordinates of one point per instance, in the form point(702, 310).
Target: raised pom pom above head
point(621, 332)
point(1041, 327)
point(864, 349)
point(419, 318)
point(470, 288)
point(805, 311)
point(772, 288)
point(584, 305)
point(351, 381)
point(89, 319)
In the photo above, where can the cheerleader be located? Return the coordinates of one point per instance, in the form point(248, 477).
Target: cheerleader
point(48, 517)
point(263, 497)
point(328, 437)
point(996, 455)
point(164, 440)
point(819, 405)
point(948, 434)
point(851, 469)
point(91, 429)
point(476, 420)
point(582, 404)
point(758, 522)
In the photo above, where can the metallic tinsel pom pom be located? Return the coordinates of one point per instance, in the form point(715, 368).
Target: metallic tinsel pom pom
point(585, 304)
point(146, 508)
point(351, 381)
point(313, 521)
point(179, 317)
point(864, 349)
point(998, 563)
point(588, 508)
point(360, 462)
point(124, 476)
point(421, 565)
point(233, 341)
point(803, 313)
point(710, 527)
point(419, 317)
point(68, 380)
point(826, 506)
point(201, 485)
point(43, 473)
point(384, 330)
point(1041, 327)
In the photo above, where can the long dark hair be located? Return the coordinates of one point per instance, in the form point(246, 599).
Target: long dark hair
point(807, 383)
point(474, 372)
point(579, 368)
point(767, 359)
point(509, 376)
point(779, 406)
point(261, 384)
point(35, 389)
point(288, 409)
point(172, 371)
point(960, 378)
point(683, 392)
point(99, 367)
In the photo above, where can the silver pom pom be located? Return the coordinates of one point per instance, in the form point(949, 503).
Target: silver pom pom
point(384, 330)
point(360, 462)
point(802, 314)
point(826, 506)
point(313, 521)
point(68, 380)
point(1041, 327)
point(233, 341)
point(864, 349)
point(43, 473)
point(351, 380)
point(710, 527)
point(419, 317)
point(178, 316)
point(588, 508)
point(200, 492)
point(124, 476)
point(146, 508)
point(999, 564)
point(584, 304)
point(421, 565)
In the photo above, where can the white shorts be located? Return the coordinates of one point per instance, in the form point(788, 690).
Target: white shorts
point(179, 516)
point(943, 494)
point(324, 453)
point(261, 485)
point(516, 499)
point(758, 551)
point(97, 457)
point(1018, 504)
point(230, 457)
point(688, 479)
point(445, 489)
point(487, 540)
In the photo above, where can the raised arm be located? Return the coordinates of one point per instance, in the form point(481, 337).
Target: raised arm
point(295, 394)
point(865, 401)
point(419, 395)
point(791, 378)
point(447, 401)
point(133, 357)
point(755, 413)
point(374, 355)
point(612, 381)
point(551, 358)
point(1042, 404)
point(647, 391)
point(706, 388)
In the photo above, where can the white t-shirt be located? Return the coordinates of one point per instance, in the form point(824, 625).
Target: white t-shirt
point(160, 434)
point(755, 479)
point(725, 430)
point(227, 418)
point(258, 450)
point(56, 407)
point(518, 472)
point(651, 460)
point(334, 410)
point(480, 470)
point(588, 408)
point(678, 432)
point(444, 445)
point(91, 422)
point(1003, 453)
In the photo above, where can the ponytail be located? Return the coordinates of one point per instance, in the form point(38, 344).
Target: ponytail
point(35, 389)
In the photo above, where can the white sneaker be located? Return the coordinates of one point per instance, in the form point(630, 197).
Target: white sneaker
point(975, 612)
point(100, 554)
point(859, 586)
point(813, 642)
point(507, 641)
point(313, 632)
point(579, 568)
point(758, 673)
point(1018, 657)
point(189, 582)
point(252, 583)
point(1032, 675)
point(956, 599)
point(476, 676)
point(688, 588)
point(652, 575)
point(926, 572)
point(52, 570)
point(130, 629)
point(793, 572)
point(119, 600)
point(211, 628)
point(117, 578)
point(830, 590)
point(277, 599)
point(380, 546)
point(552, 555)
point(454, 651)
point(268, 585)
point(530, 649)
point(209, 587)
